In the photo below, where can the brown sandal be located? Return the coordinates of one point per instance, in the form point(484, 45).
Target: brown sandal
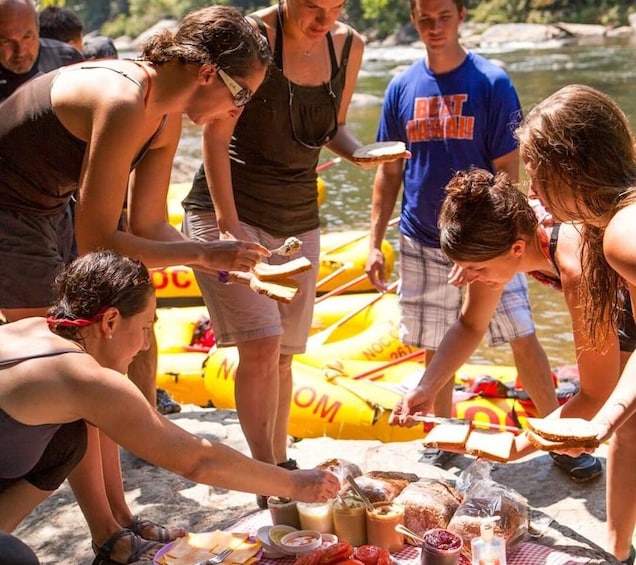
point(140, 549)
point(149, 530)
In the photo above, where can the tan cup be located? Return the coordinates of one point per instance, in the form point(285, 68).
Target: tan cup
point(350, 520)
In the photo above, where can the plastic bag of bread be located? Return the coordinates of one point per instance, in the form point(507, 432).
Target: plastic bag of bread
point(428, 503)
point(341, 468)
point(384, 486)
point(488, 500)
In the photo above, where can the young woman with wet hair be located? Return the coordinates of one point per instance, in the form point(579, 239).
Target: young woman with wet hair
point(580, 155)
point(71, 384)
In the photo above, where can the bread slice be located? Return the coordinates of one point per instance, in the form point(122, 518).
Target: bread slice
point(266, 272)
point(548, 445)
point(282, 290)
point(490, 444)
point(380, 152)
point(563, 429)
point(444, 436)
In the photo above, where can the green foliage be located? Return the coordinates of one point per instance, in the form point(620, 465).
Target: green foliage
point(378, 18)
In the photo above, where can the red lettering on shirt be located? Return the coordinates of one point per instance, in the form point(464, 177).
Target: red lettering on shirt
point(440, 117)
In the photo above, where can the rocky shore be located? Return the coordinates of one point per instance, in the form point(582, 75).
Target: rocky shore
point(563, 512)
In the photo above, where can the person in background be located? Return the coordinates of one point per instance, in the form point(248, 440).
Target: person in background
point(99, 47)
point(111, 132)
point(267, 192)
point(580, 155)
point(23, 54)
point(454, 109)
point(61, 24)
point(73, 375)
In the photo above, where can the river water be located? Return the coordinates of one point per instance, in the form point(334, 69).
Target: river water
point(608, 65)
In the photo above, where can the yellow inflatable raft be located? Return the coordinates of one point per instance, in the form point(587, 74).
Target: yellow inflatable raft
point(338, 397)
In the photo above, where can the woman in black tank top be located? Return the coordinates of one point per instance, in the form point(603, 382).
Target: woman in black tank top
point(267, 192)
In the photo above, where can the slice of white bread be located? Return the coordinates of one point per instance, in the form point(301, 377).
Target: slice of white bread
point(544, 444)
point(282, 290)
point(444, 436)
point(266, 272)
point(490, 444)
point(380, 152)
point(563, 429)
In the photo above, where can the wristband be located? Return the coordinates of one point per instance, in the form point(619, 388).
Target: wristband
point(224, 277)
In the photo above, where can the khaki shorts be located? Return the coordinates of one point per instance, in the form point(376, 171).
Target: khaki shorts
point(239, 314)
point(430, 306)
point(33, 250)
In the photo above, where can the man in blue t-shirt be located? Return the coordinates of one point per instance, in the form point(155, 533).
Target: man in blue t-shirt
point(453, 109)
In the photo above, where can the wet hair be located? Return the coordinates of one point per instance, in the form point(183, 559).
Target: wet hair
point(459, 3)
point(60, 23)
point(579, 146)
point(483, 215)
point(93, 283)
point(216, 35)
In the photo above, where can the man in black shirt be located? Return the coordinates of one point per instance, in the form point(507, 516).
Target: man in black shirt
point(23, 54)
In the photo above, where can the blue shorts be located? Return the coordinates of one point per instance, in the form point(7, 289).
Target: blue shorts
point(430, 305)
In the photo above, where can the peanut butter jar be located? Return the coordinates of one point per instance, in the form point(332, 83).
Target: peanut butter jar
point(381, 524)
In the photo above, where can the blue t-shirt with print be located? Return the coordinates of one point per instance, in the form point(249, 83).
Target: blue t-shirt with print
point(449, 122)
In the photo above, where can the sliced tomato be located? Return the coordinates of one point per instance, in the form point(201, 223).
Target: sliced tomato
point(311, 558)
point(372, 555)
point(350, 561)
point(335, 553)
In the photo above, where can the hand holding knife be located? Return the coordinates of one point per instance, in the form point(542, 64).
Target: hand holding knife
point(472, 423)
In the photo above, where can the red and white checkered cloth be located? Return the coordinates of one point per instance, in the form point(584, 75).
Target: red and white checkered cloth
point(526, 553)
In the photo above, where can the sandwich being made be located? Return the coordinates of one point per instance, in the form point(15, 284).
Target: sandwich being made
point(380, 152)
point(549, 434)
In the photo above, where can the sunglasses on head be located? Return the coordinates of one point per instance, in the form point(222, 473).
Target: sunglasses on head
point(240, 94)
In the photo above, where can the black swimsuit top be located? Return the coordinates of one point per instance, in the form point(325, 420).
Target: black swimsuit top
point(22, 445)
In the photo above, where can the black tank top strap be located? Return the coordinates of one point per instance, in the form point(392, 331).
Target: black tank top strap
point(13, 360)
point(278, 45)
point(554, 238)
point(145, 70)
point(332, 56)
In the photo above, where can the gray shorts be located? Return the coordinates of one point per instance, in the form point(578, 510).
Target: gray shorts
point(33, 250)
point(239, 314)
point(429, 305)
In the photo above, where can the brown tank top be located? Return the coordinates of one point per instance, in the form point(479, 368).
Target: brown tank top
point(273, 170)
point(40, 160)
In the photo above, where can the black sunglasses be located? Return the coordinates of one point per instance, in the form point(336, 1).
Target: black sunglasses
point(314, 144)
point(240, 94)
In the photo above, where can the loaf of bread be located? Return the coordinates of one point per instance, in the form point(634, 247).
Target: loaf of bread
point(428, 503)
point(384, 486)
point(341, 468)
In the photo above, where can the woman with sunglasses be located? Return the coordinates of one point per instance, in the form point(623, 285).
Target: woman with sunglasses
point(580, 155)
point(266, 192)
point(61, 380)
point(102, 130)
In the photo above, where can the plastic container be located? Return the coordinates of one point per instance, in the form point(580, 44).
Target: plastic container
point(488, 549)
point(381, 525)
point(441, 547)
point(301, 541)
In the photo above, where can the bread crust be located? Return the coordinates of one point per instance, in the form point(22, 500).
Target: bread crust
point(380, 152)
point(490, 444)
point(544, 444)
point(266, 272)
point(563, 429)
